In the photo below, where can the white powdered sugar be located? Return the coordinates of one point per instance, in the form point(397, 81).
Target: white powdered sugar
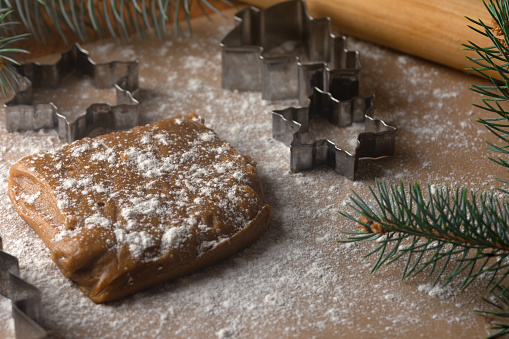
point(173, 237)
point(30, 198)
point(77, 151)
point(96, 221)
point(137, 242)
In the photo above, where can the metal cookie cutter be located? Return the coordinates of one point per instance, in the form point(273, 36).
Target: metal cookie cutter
point(23, 114)
point(248, 66)
point(328, 83)
point(289, 124)
point(25, 299)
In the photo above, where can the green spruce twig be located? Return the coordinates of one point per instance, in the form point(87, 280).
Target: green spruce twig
point(118, 19)
point(459, 233)
point(450, 234)
point(9, 55)
point(492, 63)
point(500, 301)
point(82, 20)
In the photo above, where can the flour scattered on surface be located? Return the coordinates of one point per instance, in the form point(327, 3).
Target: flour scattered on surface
point(441, 292)
point(296, 281)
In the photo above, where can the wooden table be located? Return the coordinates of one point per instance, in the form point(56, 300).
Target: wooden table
point(295, 281)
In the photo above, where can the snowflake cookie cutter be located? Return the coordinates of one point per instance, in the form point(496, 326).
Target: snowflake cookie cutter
point(25, 299)
point(288, 126)
point(23, 114)
point(327, 85)
point(248, 66)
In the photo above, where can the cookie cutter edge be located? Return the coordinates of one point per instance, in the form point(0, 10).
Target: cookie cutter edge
point(378, 139)
point(245, 68)
point(22, 114)
point(25, 299)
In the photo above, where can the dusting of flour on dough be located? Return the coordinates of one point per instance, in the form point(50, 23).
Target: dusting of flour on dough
point(145, 200)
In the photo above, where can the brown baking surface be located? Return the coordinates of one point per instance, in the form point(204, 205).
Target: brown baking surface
point(296, 280)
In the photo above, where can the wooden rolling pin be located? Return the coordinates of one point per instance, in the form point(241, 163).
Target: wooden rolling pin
point(431, 29)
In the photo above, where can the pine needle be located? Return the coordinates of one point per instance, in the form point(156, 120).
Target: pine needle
point(79, 20)
point(452, 234)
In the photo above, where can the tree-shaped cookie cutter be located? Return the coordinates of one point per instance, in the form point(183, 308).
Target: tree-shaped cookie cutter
point(25, 299)
point(21, 113)
point(327, 85)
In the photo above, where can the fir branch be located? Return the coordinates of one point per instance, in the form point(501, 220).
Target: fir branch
point(9, 55)
point(494, 60)
point(500, 301)
point(119, 19)
point(460, 233)
point(83, 20)
point(460, 230)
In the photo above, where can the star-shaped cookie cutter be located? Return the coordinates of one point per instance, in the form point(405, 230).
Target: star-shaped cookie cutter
point(288, 126)
point(327, 86)
point(246, 66)
point(23, 114)
point(25, 299)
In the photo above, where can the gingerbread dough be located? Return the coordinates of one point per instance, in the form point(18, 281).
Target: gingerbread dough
point(127, 210)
